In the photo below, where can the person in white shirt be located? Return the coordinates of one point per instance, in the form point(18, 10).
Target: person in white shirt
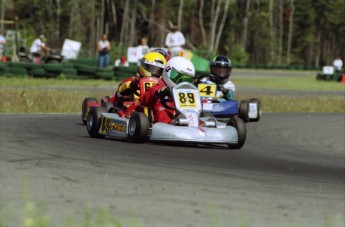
point(142, 49)
point(38, 48)
point(175, 41)
point(338, 64)
point(103, 48)
point(2, 44)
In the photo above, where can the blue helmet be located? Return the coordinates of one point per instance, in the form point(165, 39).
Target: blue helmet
point(221, 67)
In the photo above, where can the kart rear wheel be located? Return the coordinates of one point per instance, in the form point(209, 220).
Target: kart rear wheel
point(258, 108)
point(138, 127)
point(93, 122)
point(243, 111)
point(84, 108)
point(240, 126)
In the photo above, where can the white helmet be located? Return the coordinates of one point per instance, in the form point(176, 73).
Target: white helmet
point(178, 69)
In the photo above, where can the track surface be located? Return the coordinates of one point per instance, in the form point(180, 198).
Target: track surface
point(289, 173)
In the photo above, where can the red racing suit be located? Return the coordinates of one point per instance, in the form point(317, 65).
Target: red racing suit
point(125, 90)
point(151, 99)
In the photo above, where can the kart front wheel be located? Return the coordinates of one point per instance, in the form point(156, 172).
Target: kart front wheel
point(93, 123)
point(138, 127)
point(84, 108)
point(240, 126)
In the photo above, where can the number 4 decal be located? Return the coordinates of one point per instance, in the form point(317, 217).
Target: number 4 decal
point(207, 90)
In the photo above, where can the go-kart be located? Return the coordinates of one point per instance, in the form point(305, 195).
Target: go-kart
point(51, 58)
point(209, 88)
point(108, 101)
point(188, 124)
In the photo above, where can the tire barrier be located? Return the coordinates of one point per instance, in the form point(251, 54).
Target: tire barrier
point(337, 77)
point(70, 70)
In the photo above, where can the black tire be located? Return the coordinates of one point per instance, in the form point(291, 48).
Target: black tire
point(243, 111)
point(258, 108)
point(93, 122)
point(240, 126)
point(83, 107)
point(138, 127)
point(109, 106)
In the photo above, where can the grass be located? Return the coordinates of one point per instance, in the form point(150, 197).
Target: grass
point(35, 214)
point(303, 83)
point(29, 95)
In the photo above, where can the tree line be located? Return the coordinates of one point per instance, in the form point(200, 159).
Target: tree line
point(281, 32)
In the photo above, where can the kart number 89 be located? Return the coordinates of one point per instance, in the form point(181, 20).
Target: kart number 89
point(186, 100)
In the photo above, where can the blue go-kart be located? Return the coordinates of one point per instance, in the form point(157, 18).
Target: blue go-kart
point(208, 86)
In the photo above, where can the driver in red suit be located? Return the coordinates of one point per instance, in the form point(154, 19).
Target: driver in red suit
point(178, 69)
point(149, 66)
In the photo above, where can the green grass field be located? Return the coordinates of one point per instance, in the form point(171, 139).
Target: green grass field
point(29, 95)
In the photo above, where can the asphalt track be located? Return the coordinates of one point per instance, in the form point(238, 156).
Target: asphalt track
point(290, 172)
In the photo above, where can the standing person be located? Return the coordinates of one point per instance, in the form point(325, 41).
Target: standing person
point(2, 45)
point(175, 41)
point(142, 48)
point(38, 48)
point(338, 64)
point(103, 48)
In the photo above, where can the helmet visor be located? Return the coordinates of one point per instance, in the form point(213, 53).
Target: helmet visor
point(221, 71)
point(155, 70)
point(177, 77)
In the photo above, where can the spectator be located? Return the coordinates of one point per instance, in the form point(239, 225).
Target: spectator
point(175, 41)
point(142, 48)
point(39, 48)
point(103, 48)
point(121, 62)
point(2, 44)
point(338, 64)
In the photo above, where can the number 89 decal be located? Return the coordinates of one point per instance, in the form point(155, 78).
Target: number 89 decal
point(186, 100)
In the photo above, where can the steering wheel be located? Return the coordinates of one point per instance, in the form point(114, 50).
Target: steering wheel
point(164, 101)
point(135, 88)
point(210, 77)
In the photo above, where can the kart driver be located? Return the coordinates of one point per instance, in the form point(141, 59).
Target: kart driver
point(220, 68)
point(152, 64)
point(38, 48)
point(178, 69)
point(166, 54)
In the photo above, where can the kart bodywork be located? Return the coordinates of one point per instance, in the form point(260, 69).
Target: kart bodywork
point(188, 125)
point(108, 101)
point(248, 111)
